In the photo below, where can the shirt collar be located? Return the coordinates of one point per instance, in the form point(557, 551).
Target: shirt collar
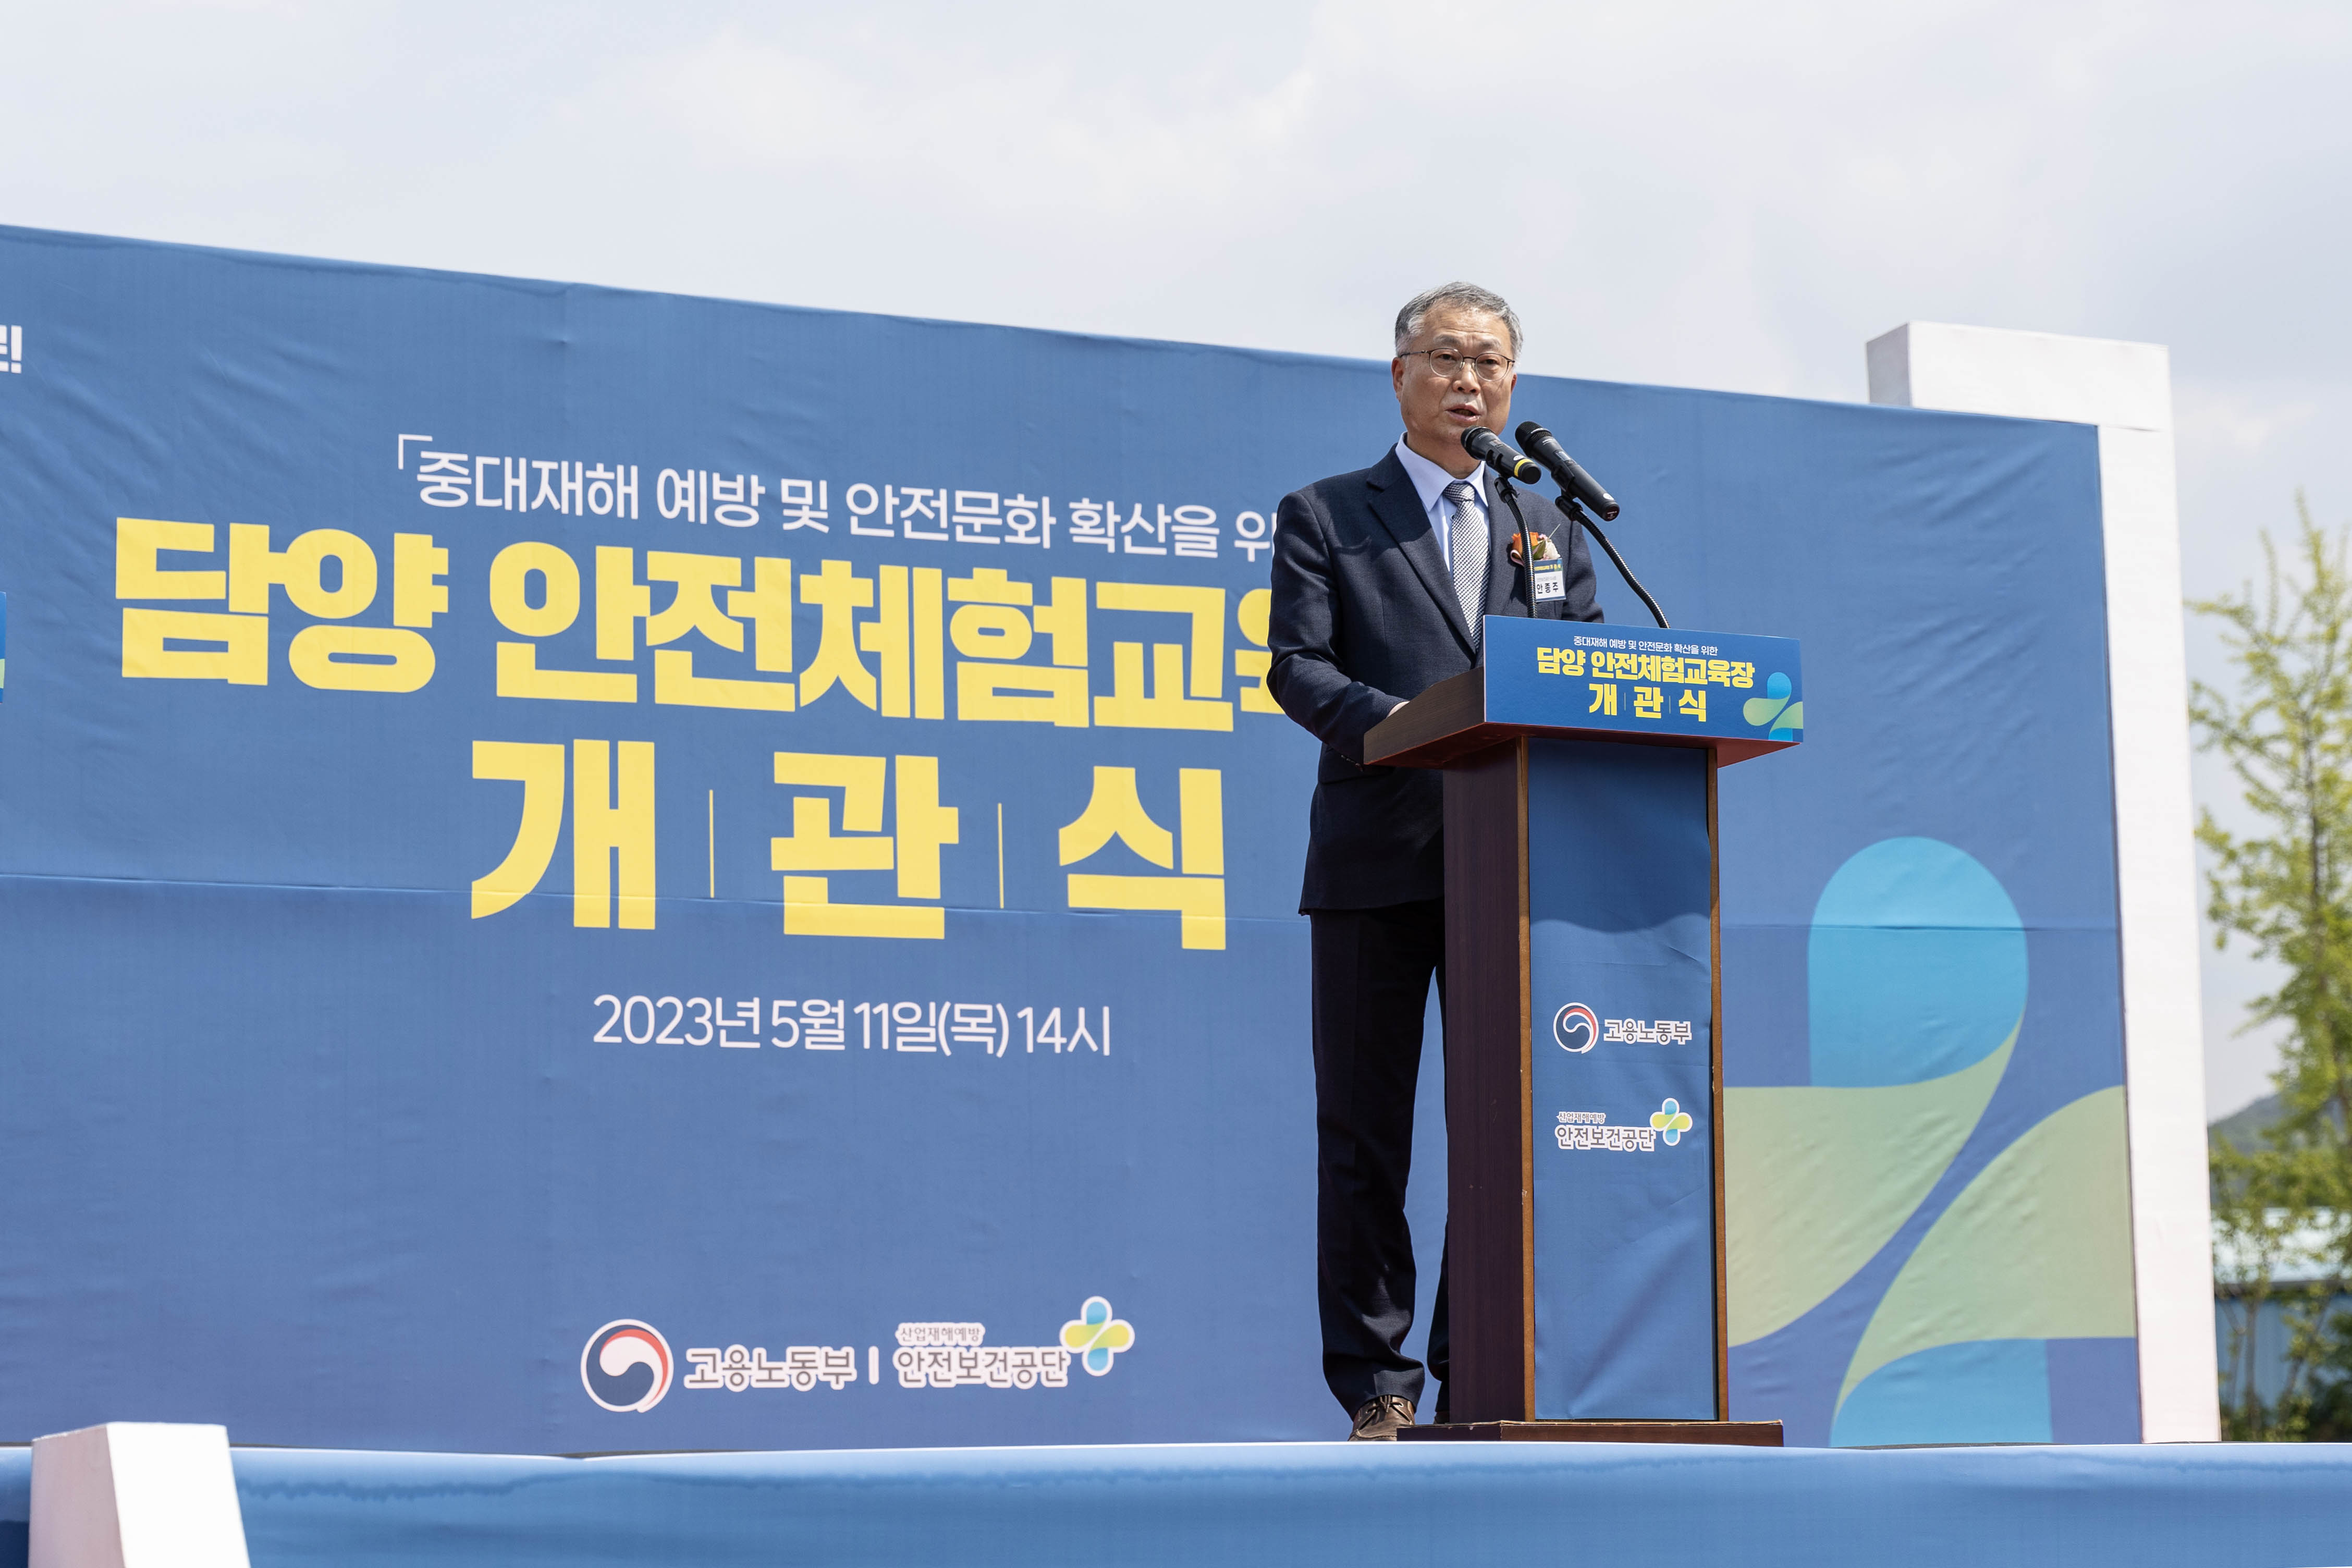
point(1430, 480)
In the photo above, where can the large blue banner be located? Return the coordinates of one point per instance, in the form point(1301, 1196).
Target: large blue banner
point(583, 870)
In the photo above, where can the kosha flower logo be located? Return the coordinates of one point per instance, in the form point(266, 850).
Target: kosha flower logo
point(1670, 1119)
point(1786, 718)
point(1096, 1335)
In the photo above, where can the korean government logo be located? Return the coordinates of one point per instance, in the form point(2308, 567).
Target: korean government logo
point(1579, 1030)
point(627, 1365)
point(1576, 1028)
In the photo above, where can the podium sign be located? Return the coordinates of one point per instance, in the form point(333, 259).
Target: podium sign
point(1584, 1065)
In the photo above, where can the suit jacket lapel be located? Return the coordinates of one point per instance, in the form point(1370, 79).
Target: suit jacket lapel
point(1397, 505)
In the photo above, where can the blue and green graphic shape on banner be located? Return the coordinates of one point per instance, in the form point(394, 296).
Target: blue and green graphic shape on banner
point(1973, 1268)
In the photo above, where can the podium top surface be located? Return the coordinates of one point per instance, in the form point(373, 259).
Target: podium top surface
point(1740, 696)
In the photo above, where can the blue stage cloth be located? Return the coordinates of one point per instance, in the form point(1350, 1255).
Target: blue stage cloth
point(2253, 1506)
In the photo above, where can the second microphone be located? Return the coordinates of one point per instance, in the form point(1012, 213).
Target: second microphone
point(1489, 448)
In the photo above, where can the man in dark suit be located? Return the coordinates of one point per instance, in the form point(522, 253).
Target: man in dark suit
point(1381, 578)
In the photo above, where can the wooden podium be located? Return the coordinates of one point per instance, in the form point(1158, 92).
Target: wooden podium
point(1584, 1063)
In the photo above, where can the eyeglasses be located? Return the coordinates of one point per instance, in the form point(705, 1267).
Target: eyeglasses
point(1448, 365)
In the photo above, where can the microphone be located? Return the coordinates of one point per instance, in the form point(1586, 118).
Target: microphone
point(1577, 486)
point(1572, 478)
point(1487, 447)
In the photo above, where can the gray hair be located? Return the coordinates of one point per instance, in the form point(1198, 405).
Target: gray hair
point(1466, 296)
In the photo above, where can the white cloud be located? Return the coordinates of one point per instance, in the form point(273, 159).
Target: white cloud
point(2248, 420)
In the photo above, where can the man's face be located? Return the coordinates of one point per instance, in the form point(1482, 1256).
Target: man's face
point(1437, 407)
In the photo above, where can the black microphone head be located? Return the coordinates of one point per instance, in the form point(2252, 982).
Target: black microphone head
point(1489, 448)
point(1574, 482)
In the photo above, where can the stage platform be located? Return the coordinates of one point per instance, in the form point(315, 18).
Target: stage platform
point(2266, 1506)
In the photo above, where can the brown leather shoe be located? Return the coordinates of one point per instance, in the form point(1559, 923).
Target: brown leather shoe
point(1380, 1417)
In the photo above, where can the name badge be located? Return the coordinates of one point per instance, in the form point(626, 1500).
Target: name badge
point(1551, 581)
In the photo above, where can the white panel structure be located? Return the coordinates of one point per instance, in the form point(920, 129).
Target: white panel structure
point(2125, 389)
point(135, 1494)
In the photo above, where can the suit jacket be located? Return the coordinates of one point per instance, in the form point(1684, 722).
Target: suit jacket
point(1364, 616)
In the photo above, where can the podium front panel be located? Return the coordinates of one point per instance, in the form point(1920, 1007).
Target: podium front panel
point(1621, 986)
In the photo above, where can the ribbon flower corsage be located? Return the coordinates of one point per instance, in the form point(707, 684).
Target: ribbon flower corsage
point(1545, 549)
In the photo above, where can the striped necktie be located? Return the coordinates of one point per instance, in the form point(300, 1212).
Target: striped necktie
point(1468, 541)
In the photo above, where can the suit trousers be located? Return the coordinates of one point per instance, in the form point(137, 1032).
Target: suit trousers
point(1371, 970)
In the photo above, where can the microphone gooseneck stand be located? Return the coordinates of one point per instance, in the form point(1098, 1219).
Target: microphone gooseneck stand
point(1579, 517)
point(1527, 552)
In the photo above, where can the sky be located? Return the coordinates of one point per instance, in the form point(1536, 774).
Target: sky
point(1717, 196)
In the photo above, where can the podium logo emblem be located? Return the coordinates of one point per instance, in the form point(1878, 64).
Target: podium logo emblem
point(1671, 1122)
point(1576, 1027)
point(627, 1365)
point(1775, 708)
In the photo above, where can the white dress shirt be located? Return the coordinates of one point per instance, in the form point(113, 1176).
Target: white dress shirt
point(1429, 481)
